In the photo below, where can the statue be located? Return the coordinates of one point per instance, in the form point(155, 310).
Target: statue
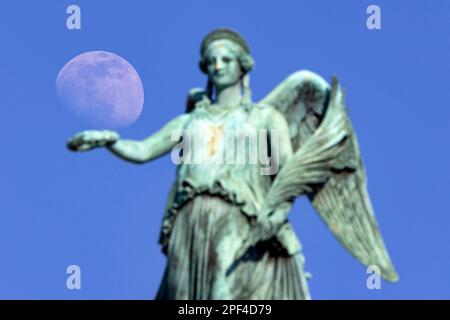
point(225, 229)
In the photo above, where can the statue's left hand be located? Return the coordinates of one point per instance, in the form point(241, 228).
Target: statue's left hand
point(90, 139)
point(261, 230)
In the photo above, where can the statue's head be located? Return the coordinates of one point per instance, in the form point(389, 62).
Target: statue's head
point(225, 57)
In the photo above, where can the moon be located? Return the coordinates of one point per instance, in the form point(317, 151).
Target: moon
point(102, 89)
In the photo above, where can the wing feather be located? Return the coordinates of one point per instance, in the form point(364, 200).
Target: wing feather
point(327, 167)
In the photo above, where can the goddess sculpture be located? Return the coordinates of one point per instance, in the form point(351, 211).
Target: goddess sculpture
point(225, 229)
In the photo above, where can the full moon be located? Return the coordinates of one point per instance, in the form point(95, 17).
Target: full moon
point(101, 88)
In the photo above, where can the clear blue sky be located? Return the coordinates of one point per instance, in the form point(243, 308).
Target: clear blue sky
point(59, 208)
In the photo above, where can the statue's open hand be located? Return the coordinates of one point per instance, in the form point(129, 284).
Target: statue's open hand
point(90, 139)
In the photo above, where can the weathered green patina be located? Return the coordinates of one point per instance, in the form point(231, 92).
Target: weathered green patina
point(225, 230)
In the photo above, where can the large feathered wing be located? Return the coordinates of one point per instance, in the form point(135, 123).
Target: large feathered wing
point(327, 165)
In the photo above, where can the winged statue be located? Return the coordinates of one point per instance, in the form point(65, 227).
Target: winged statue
point(240, 165)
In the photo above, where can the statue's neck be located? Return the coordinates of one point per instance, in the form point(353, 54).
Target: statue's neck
point(229, 96)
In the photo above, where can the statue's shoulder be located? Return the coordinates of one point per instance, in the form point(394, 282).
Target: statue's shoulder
point(266, 111)
point(260, 108)
point(197, 98)
point(264, 108)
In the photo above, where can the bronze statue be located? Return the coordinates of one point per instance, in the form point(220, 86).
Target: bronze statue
point(225, 230)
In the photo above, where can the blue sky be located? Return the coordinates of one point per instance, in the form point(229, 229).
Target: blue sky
point(59, 208)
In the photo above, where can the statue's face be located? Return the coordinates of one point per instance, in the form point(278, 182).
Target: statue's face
point(223, 66)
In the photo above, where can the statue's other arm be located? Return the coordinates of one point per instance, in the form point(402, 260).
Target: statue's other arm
point(152, 147)
point(271, 219)
point(277, 121)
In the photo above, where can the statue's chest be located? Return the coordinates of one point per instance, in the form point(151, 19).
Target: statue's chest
point(210, 133)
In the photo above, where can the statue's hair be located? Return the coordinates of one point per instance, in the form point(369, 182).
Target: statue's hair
point(245, 61)
point(242, 51)
point(223, 33)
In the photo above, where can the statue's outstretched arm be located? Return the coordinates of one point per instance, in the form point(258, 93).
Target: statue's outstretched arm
point(150, 148)
point(136, 151)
